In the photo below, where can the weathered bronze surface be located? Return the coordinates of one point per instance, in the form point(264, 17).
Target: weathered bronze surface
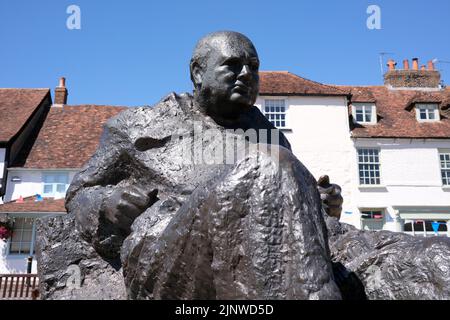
point(147, 222)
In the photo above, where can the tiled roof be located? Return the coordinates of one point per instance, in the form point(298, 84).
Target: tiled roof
point(286, 83)
point(30, 204)
point(16, 107)
point(396, 115)
point(69, 137)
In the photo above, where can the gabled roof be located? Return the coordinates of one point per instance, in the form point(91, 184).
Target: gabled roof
point(286, 83)
point(396, 114)
point(68, 138)
point(16, 107)
point(30, 204)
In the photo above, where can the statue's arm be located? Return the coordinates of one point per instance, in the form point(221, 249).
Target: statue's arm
point(104, 197)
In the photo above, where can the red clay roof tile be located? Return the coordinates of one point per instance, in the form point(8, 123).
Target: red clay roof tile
point(286, 83)
point(69, 136)
point(16, 107)
point(30, 204)
point(396, 115)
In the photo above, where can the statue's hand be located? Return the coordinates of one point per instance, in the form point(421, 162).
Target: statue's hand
point(125, 204)
point(331, 196)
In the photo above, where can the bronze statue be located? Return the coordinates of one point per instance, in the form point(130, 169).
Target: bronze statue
point(148, 221)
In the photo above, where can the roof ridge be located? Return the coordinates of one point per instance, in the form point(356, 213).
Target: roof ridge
point(275, 71)
point(96, 105)
point(25, 89)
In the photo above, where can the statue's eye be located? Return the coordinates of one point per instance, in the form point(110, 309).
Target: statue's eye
point(254, 66)
point(233, 63)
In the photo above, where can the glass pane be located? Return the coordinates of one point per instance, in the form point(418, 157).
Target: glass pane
point(27, 236)
point(431, 115)
point(423, 114)
point(28, 223)
point(16, 235)
point(15, 247)
point(61, 188)
point(48, 188)
point(25, 247)
point(18, 223)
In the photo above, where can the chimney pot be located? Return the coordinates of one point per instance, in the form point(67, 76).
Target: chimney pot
point(62, 82)
point(391, 64)
point(406, 64)
point(412, 78)
point(415, 64)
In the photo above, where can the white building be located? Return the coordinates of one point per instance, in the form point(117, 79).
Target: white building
point(388, 147)
point(401, 155)
point(38, 179)
point(314, 118)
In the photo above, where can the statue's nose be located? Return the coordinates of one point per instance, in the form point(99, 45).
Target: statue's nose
point(245, 72)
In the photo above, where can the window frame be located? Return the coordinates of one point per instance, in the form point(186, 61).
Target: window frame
point(32, 242)
point(372, 224)
point(365, 105)
point(55, 193)
point(427, 107)
point(446, 170)
point(275, 113)
point(379, 182)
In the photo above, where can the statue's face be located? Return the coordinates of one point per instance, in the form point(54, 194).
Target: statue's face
point(231, 77)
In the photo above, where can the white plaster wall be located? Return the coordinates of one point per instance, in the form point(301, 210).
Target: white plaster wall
point(2, 165)
point(320, 138)
point(2, 161)
point(18, 264)
point(410, 176)
point(30, 185)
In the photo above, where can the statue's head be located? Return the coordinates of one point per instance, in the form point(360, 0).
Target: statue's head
point(224, 70)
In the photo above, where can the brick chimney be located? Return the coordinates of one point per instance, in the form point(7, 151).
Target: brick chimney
point(61, 93)
point(413, 78)
point(406, 64)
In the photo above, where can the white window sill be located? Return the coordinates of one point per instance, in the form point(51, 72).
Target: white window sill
point(446, 188)
point(428, 120)
point(372, 187)
point(366, 123)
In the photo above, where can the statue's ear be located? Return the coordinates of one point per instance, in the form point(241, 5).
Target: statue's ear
point(196, 74)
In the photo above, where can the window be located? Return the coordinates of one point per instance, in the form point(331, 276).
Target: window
point(427, 112)
point(425, 227)
point(55, 184)
point(372, 214)
point(364, 113)
point(22, 241)
point(445, 167)
point(372, 219)
point(369, 166)
point(275, 112)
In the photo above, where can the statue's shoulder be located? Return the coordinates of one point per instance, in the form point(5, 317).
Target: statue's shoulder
point(154, 120)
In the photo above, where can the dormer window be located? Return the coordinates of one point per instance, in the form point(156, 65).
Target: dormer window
point(427, 112)
point(364, 113)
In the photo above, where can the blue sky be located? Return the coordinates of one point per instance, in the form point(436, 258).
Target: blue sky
point(134, 52)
